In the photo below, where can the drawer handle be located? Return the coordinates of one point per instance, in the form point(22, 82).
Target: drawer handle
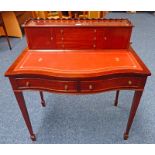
point(61, 31)
point(90, 87)
point(94, 30)
point(66, 87)
point(129, 82)
point(94, 46)
point(51, 38)
point(27, 84)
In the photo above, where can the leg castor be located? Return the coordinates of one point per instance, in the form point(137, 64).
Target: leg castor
point(126, 136)
point(33, 137)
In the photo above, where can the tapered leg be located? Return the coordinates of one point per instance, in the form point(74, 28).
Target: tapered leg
point(116, 98)
point(22, 106)
point(135, 103)
point(42, 99)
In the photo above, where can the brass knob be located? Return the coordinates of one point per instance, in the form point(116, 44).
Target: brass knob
point(129, 82)
point(90, 87)
point(27, 84)
point(66, 87)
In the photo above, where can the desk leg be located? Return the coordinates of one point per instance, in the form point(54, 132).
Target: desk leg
point(135, 103)
point(42, 99)
point(116, 98)
point(22, 106)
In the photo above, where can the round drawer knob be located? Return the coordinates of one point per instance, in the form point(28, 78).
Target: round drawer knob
point(27, 84)
point(129, 82)
point(66, 87)
point(90, 87)
point(105, 38)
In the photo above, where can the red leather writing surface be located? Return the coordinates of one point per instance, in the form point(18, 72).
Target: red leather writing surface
point(78, 62)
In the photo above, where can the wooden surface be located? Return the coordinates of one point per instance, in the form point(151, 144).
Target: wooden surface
point(11, 24)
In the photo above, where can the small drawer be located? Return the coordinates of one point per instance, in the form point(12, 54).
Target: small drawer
point(45, 84)
point(114, 83)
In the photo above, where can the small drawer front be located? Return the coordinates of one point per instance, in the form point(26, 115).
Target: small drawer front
point(53, 85)
point(101, 85)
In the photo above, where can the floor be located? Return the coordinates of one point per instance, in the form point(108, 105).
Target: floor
point(82, 119)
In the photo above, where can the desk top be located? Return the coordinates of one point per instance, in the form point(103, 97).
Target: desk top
point(77, 63)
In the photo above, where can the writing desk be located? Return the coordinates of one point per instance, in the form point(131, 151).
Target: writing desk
point(78, 72)
point(76, 56)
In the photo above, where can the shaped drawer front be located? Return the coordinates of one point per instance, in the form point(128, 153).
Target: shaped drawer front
point(53, 85)
point(114, 83)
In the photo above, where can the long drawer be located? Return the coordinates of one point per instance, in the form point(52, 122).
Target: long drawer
point(111, 84)
point(81, 86)
point(45, 84)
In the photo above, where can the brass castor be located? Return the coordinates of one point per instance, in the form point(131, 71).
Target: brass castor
point(33, 137)
point(43, 103)
point(126, 136)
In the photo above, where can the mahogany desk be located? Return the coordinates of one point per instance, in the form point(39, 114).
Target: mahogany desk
point(64, 72)
point(78, 71)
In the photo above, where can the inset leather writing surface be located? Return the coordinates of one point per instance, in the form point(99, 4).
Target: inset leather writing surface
point(78, 62)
